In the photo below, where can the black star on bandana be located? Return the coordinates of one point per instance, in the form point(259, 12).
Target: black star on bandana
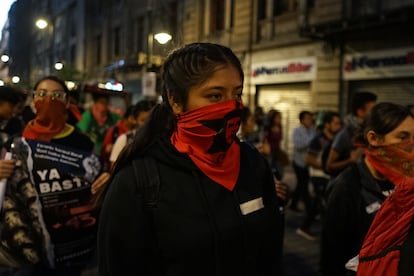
point(226, 129)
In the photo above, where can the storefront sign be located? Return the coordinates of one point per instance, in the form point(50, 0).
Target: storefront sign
point(282, 71)
point(379, 64)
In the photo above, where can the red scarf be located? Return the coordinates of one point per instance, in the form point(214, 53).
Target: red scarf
point(207, 135)
point(393, 221)
point(50, 119)
point(75, 111)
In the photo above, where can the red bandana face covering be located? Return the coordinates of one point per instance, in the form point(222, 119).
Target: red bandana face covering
point(50, 119)
point(207, 134)
point(395, 161)
point(393, 220)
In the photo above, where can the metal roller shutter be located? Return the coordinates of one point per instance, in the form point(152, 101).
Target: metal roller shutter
point(400, 91)
point(290, 100)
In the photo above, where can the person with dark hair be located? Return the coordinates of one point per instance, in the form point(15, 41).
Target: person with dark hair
point(130, 121)
point(388, 245)
point(139, 112)
point(48, 226)
point(272, 132)
point(362, 189)
point(248, 133)
point(302, 136)
point(96, 121)
point(10, 125)
point(215, 210)
point(343, 153)
point(331, 123)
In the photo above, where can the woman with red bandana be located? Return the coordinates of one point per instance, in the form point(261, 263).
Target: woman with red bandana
point(389, 244)
point(48, 226)
point(216, 209)
point(373, 199)
point(97, 121)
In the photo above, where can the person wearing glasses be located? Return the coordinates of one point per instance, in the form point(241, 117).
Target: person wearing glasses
point(57, 165)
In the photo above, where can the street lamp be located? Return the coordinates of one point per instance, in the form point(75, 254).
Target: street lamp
point(5, 58)
point(42, 24)
point(58, 66)
point(162, 38)
point(15, 79)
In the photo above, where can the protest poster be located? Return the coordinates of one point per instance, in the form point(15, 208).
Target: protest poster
point(49, 195)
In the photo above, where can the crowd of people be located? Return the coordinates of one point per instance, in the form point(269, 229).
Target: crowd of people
point(193, 184)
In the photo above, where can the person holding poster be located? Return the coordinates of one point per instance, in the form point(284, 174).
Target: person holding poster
point(48, 226)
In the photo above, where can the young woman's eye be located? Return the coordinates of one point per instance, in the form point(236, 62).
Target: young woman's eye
point(237, 96)
point(404, 137)
point(215, 97)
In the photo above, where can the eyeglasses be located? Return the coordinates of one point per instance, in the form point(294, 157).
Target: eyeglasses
point(55, 94)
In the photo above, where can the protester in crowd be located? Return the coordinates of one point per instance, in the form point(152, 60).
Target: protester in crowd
point(10, 124)
point(121, 126)
point(259, 118)
point(140, 112)
point(302, 136)
point(47, 224)
point(360, 190)
point(96, 121)
point(330, 125)
point(248, 133)
point(216, 207)
point(273, 135)
point(388, 135)
point(343, 153)
point(9, 127)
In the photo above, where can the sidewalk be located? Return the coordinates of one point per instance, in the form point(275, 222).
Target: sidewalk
point(301, 255)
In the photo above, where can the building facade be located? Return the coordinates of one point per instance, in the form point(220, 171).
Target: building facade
point(297, 54)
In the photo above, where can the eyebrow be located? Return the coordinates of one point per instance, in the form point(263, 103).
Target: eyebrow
point(218, 87)
point(403, 132)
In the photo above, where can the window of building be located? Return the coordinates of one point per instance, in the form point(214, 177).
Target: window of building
point(217, 15)
point(117, 41)
point(261, 9)
point(73, 54)
point(139, 38)
point(98, 49)
point(72, 20)
point(283, 6)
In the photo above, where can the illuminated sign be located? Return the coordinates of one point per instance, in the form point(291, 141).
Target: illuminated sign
point(379, 64)
point(291, 70)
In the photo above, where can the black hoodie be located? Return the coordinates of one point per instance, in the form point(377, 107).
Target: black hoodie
point(197, 227)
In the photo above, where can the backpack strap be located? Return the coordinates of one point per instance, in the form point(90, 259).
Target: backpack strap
point(147, 180)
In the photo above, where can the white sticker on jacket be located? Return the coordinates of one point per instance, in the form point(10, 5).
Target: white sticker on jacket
point(251, 206)
point(373, 207)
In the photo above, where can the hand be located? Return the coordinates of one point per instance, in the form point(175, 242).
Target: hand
point(100, 182)
point(281, 190)
point(6, 168)
point(264, 148)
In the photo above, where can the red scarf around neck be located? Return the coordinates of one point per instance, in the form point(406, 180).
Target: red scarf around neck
point(393, 221)
point(207, 135)
point(50, 119)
